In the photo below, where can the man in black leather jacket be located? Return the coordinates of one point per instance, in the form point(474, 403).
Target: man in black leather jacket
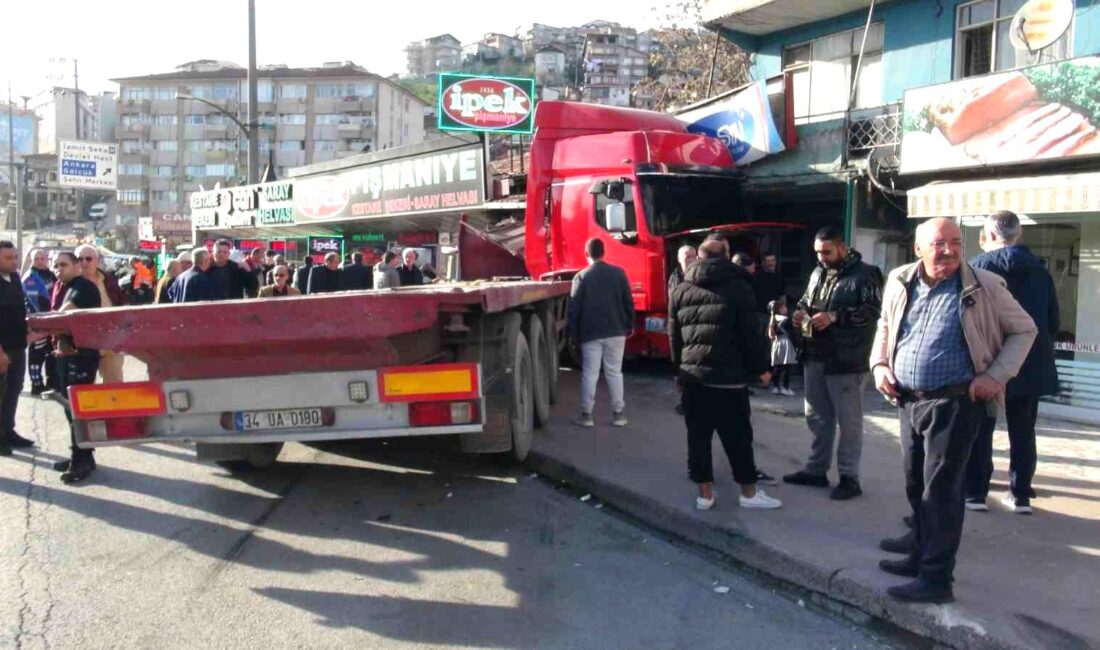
point(837, 316)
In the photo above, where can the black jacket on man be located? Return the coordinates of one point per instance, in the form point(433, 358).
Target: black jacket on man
point(322, 279)
point(410, 277)
point(13, 313)
point(714, 333)
point(1031, 285)
point(357, 276)
point(854, 293)
point(600, 304)
point(232, 281)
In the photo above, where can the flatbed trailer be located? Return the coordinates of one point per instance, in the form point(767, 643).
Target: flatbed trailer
point(241, 377)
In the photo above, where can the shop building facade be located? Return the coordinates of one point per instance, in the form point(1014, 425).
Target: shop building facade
point(871, 87)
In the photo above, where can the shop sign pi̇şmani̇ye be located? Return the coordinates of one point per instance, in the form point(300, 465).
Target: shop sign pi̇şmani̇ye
point(1035, 115)
point(486, 104)
point(452, 179)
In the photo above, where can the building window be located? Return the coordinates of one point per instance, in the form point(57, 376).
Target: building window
point(131, 120)
point(328, 119)
point(196, 120)
point(164, 93)
point(131, 197)
point(292, 118)
point(132, 169)
point(165, 196)
point(328, 91)
point(224, 91)
point(290, 145)
point(822, 72)
point(360, 145)
point(265, 145)
point(324, 145)
point(136, 93)
point(360, 89)
point(164, 171)
point(292, 91)
point(220, 169)
point(167, 145)
point(264, 91)
point(194, 171)
point(133, 146)
point(202, 91)
point(165, 120)
point(982, 42)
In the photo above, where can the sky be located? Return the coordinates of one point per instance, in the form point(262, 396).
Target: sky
point(120, 38)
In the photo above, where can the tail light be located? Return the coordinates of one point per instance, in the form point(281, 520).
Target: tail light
point(434, 414)
point(116, 429)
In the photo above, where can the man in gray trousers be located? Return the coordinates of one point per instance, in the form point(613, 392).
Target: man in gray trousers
point(837, 316)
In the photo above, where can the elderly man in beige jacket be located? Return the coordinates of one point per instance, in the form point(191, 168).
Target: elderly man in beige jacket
point(949, 339)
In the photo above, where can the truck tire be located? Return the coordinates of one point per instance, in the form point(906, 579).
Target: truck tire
point(522, 408)
point(541, 360)
point(260, 456)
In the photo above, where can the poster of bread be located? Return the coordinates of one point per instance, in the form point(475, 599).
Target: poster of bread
point(1041, 113)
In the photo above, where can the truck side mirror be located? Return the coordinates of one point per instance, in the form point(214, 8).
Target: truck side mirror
point(614, 217)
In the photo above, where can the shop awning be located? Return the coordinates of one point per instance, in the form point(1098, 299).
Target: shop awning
point(1038, 195)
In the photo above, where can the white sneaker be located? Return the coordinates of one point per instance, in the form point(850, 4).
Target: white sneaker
point(776, 391)
point(976, 505)
point(704, 504)
point(1019, 506)
point(786, 391)
point(760, 500)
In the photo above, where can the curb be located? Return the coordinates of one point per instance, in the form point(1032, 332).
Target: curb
point(830, 590)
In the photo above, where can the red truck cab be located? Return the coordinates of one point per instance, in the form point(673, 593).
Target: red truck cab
point(586, 158)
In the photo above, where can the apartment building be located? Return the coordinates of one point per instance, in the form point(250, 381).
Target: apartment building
point(171, 143)
point(65, 114)
point(441, 53)
point(612, 65)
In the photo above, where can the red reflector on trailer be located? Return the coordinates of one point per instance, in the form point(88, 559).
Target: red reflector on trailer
point(434, 414)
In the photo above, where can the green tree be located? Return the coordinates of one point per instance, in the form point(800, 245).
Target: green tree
point(680, 68)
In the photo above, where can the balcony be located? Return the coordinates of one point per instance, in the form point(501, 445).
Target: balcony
point(133, 182)
point(217, 156)
point(127, 106)
point(290, 106)
point(136, 130)
point(160, 132)
point(290, 158)
point(875, 128)
point(135, 158)
point(163, 157)
point(217, 131)
point(350, 131)
point(290, 132)
point(165, 106)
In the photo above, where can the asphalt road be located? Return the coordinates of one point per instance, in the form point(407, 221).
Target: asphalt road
point(402, 544)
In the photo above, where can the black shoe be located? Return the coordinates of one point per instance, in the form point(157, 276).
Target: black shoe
point(848, 488)
point(921, 591)
point(803, 477)
point(5, 450)
point(900, 567)
point(37, 390)
point(77, 473)
point(765, 479)
point(62, 465)
point(902, 545)
point(16, 441)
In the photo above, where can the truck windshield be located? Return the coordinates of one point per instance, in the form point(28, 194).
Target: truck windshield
point(677, 202)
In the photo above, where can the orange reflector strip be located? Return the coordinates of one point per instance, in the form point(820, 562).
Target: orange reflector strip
point(443, 381)
point(91, 401)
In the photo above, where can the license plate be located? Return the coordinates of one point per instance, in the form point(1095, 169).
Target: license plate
point(308, 418)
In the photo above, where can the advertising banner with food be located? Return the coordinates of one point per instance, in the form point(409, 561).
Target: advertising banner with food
point(1043, 113)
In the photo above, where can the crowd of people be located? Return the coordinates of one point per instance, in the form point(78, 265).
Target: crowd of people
point(80, 279)
point(952, 344)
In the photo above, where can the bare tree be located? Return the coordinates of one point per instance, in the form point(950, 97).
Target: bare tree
point(680, 68)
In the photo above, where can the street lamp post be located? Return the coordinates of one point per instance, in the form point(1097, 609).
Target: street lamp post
point(253, 136)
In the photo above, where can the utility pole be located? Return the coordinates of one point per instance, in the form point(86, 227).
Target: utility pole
point(76, 132)
point(13, 187)
point(253, 131)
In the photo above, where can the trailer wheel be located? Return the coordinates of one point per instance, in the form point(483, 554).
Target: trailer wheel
point(522, 408)
point(541, 360)
point(260, 456)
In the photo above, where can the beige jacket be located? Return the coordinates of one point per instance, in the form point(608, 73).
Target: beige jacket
point(998, 331)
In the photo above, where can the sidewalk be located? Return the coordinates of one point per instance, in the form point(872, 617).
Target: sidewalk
point(1021, 582)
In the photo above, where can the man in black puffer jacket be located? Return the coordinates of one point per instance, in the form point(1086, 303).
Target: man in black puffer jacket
point(720, 350)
